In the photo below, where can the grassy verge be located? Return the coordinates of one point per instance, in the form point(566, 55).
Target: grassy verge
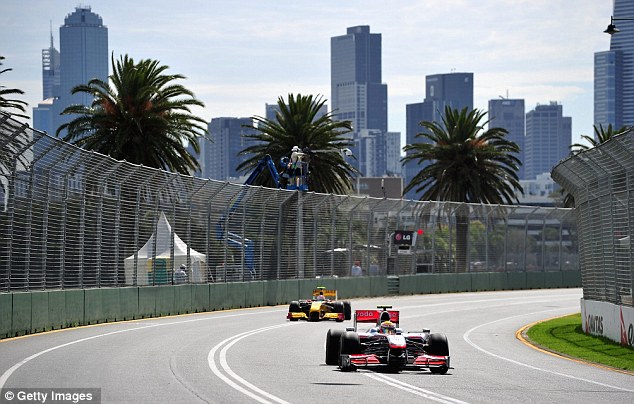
point(564, 336)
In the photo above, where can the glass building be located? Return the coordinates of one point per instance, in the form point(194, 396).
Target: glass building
point(357, 93)
point(548, 139)
point(219, 157)
point(614, 73)
point(50, 70)
point(83, 41)
point(510, 115)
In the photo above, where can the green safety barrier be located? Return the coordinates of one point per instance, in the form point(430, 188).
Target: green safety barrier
point(31, 312)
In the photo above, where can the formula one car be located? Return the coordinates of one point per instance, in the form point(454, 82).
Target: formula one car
point(386, 345)
point(323, 306)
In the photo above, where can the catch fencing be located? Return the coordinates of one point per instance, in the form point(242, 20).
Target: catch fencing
point(601, 180)
point(76, 219)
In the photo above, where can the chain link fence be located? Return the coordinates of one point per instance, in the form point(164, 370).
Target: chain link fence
point(76, 219)
point(601, 180)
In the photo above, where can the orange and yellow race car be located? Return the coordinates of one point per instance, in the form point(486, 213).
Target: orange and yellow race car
point(323, 306)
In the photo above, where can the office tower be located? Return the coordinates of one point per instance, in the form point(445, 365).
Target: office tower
point(219, 157)
point(548, 139)
point(43, 113)
point(271, 111)
point(452, 89)
point(83, 41)
point(608, 89)
point(510, 115)
point(50, 70)
point(359, 96)
point(614, 73)
point(393, 153)
point(357, 93)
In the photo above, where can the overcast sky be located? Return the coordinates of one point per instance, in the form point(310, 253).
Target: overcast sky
point(238, 55)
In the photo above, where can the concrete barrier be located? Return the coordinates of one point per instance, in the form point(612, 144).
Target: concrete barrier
point(39, 312)
point(31, 312)
point(6, 315)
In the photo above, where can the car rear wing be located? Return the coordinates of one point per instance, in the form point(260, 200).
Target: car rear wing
point(330, 294)
point(376, 316)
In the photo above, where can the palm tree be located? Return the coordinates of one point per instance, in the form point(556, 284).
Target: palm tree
point(8, 103)
point(144, 117)
point(298, 123)
point(602, 135)
point(466, 164)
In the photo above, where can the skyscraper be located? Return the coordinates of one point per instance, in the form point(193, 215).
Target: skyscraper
point(50, 70)
point(219, 158)
point(614, 73)
point(510, 115)
point(43, 113)
point(452, 89)
point(83, 41)
point(357, 93)
point(548, 139)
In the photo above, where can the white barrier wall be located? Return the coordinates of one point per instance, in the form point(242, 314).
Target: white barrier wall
point(608, 320)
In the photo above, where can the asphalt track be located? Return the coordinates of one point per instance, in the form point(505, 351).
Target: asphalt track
point(255, 355)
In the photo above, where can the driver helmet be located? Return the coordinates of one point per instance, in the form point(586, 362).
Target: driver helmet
point(295, 149)
point(387, 327)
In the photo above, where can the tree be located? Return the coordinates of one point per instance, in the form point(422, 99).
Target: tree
point(298, 123)
point(602, 135)
point(466, 164)
point(144, 117)
point(8, 103)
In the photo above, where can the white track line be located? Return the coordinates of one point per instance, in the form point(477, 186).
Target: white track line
point(5, 376)
point(468, 340)
point(414, 389)
point(255, 393)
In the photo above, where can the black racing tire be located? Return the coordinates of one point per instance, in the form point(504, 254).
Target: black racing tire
point(294, 307)
point(332, 346)
point(438, 346)
point(337, 307)
point(347, 310)
point(350, 343)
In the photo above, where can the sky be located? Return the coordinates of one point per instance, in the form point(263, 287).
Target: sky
point(238, 55)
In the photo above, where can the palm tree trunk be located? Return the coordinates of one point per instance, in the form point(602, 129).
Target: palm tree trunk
point(462, 233)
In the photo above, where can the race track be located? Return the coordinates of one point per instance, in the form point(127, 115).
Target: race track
point(256, 355)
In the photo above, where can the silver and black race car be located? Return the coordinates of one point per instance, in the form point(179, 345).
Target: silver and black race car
point(323, 306)
point(386, 345)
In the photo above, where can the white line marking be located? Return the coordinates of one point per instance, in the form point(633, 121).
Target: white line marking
point(223, 362)
point(5, 376)
point(414, 389)
point(468, 340)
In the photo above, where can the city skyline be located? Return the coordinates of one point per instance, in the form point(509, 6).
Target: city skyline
point(238, 57)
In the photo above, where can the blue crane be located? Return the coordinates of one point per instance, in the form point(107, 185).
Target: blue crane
point(293, 178)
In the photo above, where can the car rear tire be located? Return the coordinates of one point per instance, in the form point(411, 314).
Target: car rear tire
point(294, 308)
point(332, 346)
point(347, 310)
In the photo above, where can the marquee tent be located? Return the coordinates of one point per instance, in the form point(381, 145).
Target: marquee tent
point(160, 271)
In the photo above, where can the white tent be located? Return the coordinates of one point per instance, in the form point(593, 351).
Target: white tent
point(164, 266)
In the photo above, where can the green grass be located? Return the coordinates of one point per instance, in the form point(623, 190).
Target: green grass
point(564, 336)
